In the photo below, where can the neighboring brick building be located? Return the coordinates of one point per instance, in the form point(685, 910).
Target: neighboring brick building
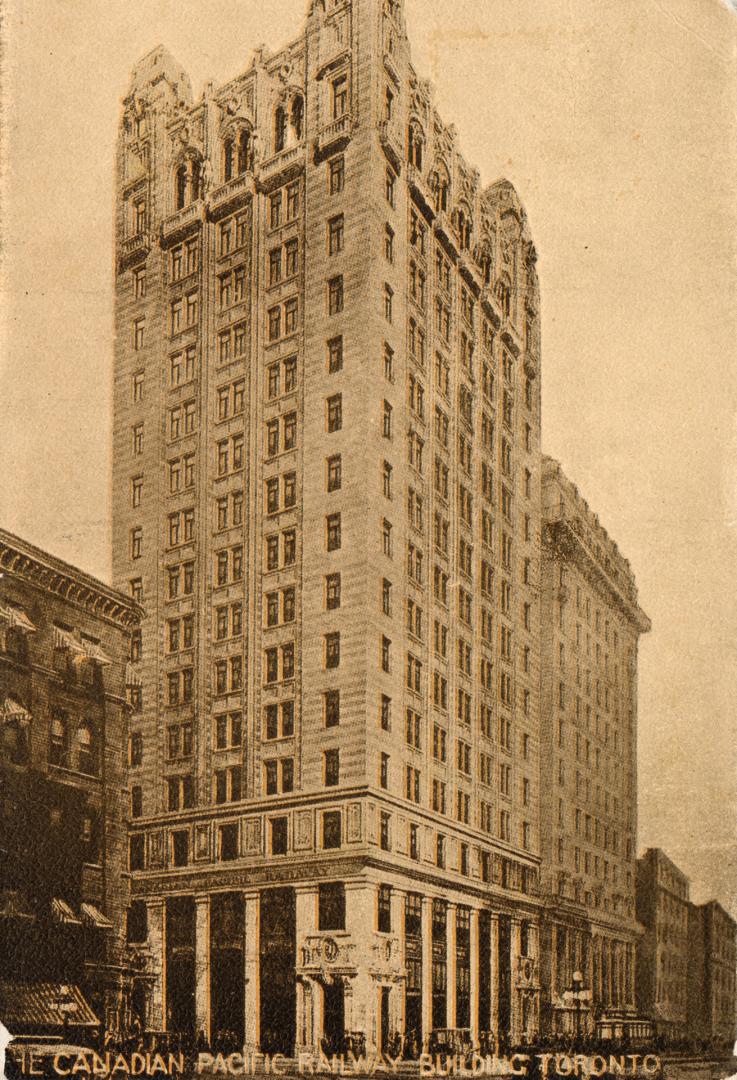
point(664, 956)
point(63, 887)
point(590, 632)
point(327, 493)
point(712, 1005)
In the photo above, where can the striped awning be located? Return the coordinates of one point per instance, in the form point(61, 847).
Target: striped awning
point(81, 648)
point(63, 913)
point(13, 710)
point(16, 616)
point(92, 917)
point(37, 1005)
point(133, 675)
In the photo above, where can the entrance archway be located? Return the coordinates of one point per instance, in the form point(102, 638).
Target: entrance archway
point(333, 1016)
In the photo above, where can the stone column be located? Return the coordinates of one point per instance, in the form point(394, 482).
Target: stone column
point(252, 910)
point(308, 993)
point(451, 989)
point(426, 969)
point(156, 915)
point(494, 946)
point(396, 1008)
point(515, 1020)
point(474, 987)
point(362, 993)
point(202, 965)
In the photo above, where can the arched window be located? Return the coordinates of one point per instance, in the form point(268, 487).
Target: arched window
point(228, 160)
point(486, 266)
point(181, 186)
point(244, 152)
point(416, 146)
point(58, 746)
point(280, 129)
point(297, 116)
point(504, 294)
point(86, 750)
point(440, 186)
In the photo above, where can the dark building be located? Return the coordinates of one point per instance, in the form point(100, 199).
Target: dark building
point(664, 957)
point(712, 1008)
point(64, 642)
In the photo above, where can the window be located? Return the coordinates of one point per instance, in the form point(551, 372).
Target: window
point(386, 533)
point(331, 768)
point(180, 847)
point(388, 302)
point(335, 295)
point(137, 381)
point(335, 412)
point(332, 651)
point(136, 852)
point(139, 329)
point(388, 363)
point(331, 708)
point(335, 355)
point(332, 592)
point(331, 905)
point(389, 243)
point(391, 187)
point(137, 439)
point(386, 652)
point(336, 175)
point(386, 473)
point(331, 829)
point(386, 597)
point(339, 96)
point(386, 713)
point(333, 532)
point(334, 471)
point(336, 235)
point(136, 542)
point(135, 743)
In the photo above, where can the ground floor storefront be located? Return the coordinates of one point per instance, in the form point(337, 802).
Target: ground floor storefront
point(327, 967)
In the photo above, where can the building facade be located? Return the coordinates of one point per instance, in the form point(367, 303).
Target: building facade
point(663, 955)
point(63, 887)
point(327, 495)
point(590, 631)
point(712, 1004)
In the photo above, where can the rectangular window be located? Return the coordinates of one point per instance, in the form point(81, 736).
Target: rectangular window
point(336, 175)
point(336, 235)
point(335, 413)
point(332, 592)
point(335, 295)
point(331, 768)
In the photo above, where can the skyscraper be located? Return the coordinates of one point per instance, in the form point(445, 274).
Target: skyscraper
point(327, 497)
point(591, 626)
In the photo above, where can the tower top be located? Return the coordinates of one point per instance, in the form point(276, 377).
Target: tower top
point(159, 65)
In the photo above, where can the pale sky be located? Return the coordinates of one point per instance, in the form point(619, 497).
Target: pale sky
point(615, 120)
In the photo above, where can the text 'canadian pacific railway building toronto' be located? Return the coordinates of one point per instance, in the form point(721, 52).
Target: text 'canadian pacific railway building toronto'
point(382, 753)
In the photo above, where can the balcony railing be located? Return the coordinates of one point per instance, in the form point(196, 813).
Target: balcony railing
point(137, 244)
point(282, 161)
point(231, 191)
point(182, 219)
point(333, 132)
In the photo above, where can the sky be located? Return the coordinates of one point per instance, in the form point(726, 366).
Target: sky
point(615, 120)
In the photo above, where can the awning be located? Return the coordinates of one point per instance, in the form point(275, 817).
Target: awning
point(13, 710)
point(95, 651)
point(133, 675)
point(82, 648)
point(16, 616)
point(14, 905)
point(35, 1005)
point(65, 639)
point(63, 913)
point(92, 917)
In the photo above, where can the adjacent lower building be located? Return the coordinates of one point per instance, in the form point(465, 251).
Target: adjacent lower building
point(712, 1005)
point(64, 644)
point(591, 625)
point(664, 955)
point(327, 494)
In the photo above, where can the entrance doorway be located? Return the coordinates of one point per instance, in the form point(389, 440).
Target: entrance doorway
point(384, 1029)
point(278, 954)
point(334, 1017)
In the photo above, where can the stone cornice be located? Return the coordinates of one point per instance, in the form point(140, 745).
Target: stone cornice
point(45, 572)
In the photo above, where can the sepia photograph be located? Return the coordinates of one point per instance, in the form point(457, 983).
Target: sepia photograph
point(367, 538)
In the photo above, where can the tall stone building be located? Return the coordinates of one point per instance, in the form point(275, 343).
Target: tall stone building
point(663, 955)
point(327, 492)
point(712, 1002)
point(591, 627)
point(63, 888)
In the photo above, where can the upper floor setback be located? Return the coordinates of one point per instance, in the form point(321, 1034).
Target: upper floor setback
point(181, 161)
point(573, 528)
